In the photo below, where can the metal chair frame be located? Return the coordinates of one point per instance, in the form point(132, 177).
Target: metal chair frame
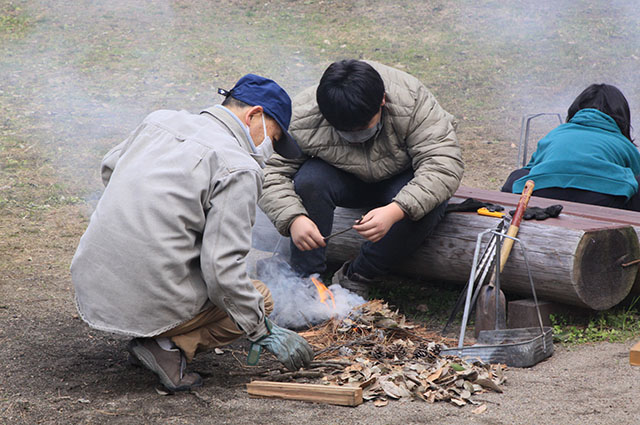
point(522, 159)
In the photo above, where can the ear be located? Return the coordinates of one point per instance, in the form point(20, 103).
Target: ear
point(384, 99)
point(250, 112)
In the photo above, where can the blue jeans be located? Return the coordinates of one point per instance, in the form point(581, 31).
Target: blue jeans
point(323, 187)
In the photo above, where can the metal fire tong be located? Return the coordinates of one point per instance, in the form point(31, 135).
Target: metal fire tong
point(521, 347)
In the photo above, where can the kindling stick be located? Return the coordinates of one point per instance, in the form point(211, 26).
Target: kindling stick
point(339, 232)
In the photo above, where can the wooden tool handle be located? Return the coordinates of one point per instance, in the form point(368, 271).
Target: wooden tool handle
point(515, 222)
point(522, 203)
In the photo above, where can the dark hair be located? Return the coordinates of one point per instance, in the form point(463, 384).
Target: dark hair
point(608, 100)
point(350, 94)
point(233, 102)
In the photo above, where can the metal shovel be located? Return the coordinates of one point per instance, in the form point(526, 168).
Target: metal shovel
point(491, 312)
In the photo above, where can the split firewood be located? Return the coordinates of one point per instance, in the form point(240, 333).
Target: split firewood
point(331, 394)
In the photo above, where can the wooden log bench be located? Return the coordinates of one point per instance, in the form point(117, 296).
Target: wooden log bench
point(575, 259)
point(612, 215)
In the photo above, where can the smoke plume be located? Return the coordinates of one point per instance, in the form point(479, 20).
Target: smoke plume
point(296, 300)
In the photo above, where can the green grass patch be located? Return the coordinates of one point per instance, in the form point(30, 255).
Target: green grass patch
point(13, 19)
point(616, 325)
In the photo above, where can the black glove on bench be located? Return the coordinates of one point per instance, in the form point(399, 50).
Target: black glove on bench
point(540, 213)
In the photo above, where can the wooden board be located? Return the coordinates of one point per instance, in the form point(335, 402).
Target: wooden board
point(634, 355)
point(330, 394)
point(594, 212)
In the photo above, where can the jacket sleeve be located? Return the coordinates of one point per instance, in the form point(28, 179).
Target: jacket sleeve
point(226, 241)
point(109, 162)
point(113, 156)
point(279, 199)
point(436, 158)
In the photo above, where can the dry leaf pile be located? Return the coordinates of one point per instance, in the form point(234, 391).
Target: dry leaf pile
point(391, 359)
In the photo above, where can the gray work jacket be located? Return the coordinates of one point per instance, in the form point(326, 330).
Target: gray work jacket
point(170, 234)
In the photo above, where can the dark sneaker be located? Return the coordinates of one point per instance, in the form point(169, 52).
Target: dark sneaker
point(168, 365)
point(354, 282)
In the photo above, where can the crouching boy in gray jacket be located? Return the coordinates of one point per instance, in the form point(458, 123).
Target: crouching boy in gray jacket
point(163, 258)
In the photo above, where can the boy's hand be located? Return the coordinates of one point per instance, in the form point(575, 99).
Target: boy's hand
point(377, 222)
point(305, 234)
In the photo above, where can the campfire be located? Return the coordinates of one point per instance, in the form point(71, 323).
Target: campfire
point(301, 303)
point(367, 345)
point(390, 358)
point(323, 292)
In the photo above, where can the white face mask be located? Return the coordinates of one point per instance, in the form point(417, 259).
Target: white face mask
point(265, 150)
point(360, 136)
point(262, 152)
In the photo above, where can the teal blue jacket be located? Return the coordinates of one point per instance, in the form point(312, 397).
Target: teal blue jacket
point(589, 153)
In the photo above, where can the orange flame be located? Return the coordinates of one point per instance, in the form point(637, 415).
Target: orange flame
point(323, 291)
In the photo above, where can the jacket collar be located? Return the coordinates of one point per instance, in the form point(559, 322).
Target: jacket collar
point(232, 124)
point(594, 118)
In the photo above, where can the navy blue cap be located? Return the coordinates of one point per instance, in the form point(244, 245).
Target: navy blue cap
point(255, 90)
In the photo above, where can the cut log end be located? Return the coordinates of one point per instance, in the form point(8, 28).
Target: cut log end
point(599, 259)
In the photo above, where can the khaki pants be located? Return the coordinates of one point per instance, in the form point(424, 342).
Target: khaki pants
point(211, 328)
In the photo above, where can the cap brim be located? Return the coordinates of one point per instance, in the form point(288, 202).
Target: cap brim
point(287, 145)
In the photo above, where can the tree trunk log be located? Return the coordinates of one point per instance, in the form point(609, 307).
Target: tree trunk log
point(573, 260)
point(612, 215)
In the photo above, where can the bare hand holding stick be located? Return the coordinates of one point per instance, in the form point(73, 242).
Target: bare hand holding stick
point(376, 223)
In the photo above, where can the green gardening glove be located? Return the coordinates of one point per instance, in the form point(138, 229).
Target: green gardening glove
point(292, 350)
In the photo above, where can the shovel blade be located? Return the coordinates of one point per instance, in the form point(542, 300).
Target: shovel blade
point(486, 310)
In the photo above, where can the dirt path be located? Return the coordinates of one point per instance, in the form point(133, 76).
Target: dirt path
point(55, 370)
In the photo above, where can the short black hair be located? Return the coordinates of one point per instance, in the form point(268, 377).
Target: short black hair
point(608, 100)
point(350, 94)
point(233, 102)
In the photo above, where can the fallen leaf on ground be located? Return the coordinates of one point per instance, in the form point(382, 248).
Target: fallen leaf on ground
point(480, 409)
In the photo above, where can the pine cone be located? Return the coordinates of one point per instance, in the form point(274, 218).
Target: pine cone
point(421, 351)
point(397, 350)
point(429, 351)
point(378, 352)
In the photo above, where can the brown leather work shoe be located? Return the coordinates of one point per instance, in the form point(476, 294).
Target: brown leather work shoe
point(168, 365)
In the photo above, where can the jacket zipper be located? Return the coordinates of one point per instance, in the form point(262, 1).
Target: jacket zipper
point(368, 161)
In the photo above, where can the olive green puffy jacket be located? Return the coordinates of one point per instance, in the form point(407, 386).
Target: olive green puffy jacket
point(416, 133)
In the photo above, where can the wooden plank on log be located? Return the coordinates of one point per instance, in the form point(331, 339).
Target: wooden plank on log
point(574, 260)
point(605, 214)
point(330, 394)
point(595, 212)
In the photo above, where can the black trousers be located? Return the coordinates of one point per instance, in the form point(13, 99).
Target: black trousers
point(577, 195)
point(324, 187)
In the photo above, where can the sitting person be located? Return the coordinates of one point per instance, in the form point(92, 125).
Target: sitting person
point(373, 137)
point(591, 158)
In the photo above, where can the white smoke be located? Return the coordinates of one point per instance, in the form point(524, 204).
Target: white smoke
point(297, 303)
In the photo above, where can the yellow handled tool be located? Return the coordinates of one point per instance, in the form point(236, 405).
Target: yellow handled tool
point(485, 211)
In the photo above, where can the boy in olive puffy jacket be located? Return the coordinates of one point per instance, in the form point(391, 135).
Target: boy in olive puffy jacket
point(373, 137)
